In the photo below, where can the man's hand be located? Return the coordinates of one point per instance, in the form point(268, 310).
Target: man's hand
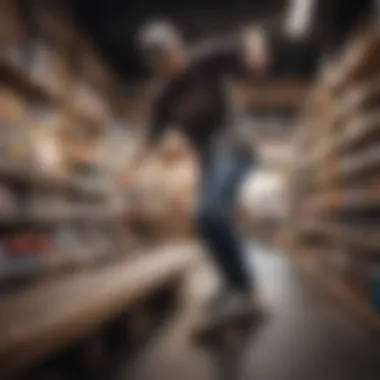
point(256, 49)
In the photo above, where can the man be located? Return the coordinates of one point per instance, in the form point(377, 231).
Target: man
point(193, 95)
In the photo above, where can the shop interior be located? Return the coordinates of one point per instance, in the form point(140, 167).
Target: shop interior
point(102, 271)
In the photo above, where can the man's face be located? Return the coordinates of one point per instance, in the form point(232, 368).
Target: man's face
point(160, 63)
point(166, 62)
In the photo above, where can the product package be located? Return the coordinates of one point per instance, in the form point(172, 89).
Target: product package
point(9, 206)
point(45, 126)
point(48, 68)
point(86, 102)
point(13, 127)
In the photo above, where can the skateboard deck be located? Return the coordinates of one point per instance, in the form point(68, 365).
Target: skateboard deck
point(227, 330)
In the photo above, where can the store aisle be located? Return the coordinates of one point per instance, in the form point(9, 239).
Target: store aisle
point(308, 336)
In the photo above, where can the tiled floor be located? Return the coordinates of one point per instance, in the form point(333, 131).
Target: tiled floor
point(307, 337)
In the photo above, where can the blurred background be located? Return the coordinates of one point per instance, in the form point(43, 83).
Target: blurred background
point(101, 273)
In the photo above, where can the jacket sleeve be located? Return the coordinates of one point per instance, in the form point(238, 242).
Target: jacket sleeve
point(219, 55)
point(158, 119)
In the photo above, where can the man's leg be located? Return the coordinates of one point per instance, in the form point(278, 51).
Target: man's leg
point(223, 173)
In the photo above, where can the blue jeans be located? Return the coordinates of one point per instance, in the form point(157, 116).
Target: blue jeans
point(222, 175)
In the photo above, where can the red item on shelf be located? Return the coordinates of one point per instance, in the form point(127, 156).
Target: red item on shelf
point(27, 244)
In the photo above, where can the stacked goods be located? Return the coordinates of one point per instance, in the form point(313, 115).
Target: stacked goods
point(336, 203)
point(56, 124)
point(45, 126)
point(14, 134)
point(62, 198)
point(85, 102)
point(82, 145)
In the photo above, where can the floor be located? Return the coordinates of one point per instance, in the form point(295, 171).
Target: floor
point(307, 336)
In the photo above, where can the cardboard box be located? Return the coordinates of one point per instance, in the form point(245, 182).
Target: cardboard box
point(45, 126)
point(86, 102)
point(14, 139)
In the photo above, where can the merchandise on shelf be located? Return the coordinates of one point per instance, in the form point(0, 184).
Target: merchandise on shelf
point(14, 132)
point(86, 102)
point(55, 126)
point(48, 204)
point(47, 67)
point(14, 40)
point(46, 123)
point(95, 70)
point(8, 203)
point(27, 244)
point(83, 144)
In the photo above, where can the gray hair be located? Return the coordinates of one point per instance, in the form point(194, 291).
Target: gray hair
point(157, 36)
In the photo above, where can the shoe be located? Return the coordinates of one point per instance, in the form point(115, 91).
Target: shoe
point(230, 304)
point(227, 313)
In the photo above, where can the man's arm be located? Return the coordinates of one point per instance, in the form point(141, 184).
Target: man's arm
point(244, 52)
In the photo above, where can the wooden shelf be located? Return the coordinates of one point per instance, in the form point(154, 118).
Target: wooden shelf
point(339, 220)
point(71, 214)
point(24, 174)
point(360, 200)
point(80, 187)
point(338, 289)
point(316, 228)
point(36, 323)
point(364, 57)
point(358, 203)
point(359, 131)
point(48, 264)
point(21, 81)
point(360, 165)
point(87, 118)
point(357, 100)
point(23, 269)
point(359, 239)
point(317, 155)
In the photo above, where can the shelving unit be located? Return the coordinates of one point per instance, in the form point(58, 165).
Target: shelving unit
point(69, 258)
point(335, 217)
point(56, 120)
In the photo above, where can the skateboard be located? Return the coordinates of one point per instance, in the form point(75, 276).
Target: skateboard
point(227, 331)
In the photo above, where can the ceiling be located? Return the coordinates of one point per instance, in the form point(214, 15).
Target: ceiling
point(112, 24)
